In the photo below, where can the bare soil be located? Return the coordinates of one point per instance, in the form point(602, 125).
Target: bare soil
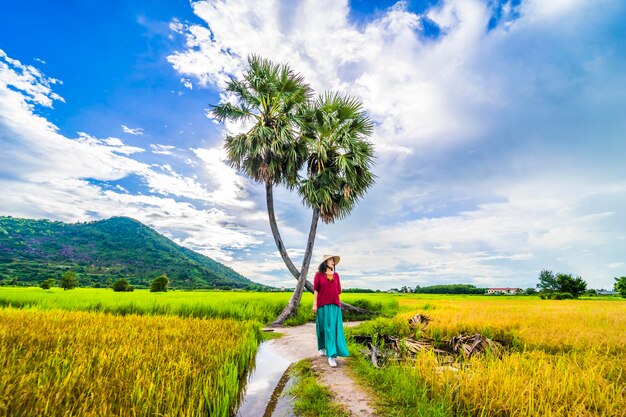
point(300, 343)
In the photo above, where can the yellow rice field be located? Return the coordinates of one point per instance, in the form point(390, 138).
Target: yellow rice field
point(568, 358)
point(62, 363)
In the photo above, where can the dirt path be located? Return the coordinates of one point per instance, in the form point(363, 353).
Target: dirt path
point(299, 343)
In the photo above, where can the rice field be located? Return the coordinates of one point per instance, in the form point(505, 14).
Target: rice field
point(261, 307)
point(70, 363)
point(566, 358)
point(96, 352)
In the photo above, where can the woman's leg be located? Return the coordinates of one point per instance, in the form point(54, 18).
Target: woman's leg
point(319, 328)
point(333, 332)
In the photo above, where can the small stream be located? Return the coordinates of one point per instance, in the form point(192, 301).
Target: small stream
point(266, 382)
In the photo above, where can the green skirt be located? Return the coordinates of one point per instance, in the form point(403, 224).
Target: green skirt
point(329, 329)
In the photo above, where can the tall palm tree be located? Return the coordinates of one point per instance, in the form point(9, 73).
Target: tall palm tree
point(338, 169)
point(272, 150)
point(287, 132)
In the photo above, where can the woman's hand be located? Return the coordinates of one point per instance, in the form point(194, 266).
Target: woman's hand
point(314, 308)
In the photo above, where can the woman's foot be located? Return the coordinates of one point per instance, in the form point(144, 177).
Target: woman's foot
point(322, 352)
point(332, 362)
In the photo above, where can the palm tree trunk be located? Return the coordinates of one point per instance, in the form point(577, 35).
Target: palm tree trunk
point(269, 196)
point(291, 308)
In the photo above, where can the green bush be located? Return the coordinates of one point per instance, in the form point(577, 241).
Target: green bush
point(47, 284)
point(121, 285)
point(159, 284)
point(562, 296)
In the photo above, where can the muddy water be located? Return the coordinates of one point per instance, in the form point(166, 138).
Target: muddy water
point(265, 384)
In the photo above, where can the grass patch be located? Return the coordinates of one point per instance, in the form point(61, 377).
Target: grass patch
point(400, 393)
point(265, 336)
point(312, 399)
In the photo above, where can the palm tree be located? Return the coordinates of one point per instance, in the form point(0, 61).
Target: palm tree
point(338, 169)
point(272, 150)
point(287, 132)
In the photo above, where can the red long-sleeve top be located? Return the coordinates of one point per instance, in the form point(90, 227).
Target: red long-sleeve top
point(327, 291)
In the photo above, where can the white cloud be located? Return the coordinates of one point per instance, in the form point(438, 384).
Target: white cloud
point(499, 150)
point(44, 174)
point(187, 83)
point(114, 144)
point(486, 172)
point(229, 187)
point(136, 132)
point(162, 149)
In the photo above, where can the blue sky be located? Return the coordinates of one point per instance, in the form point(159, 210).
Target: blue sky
point(500, 130)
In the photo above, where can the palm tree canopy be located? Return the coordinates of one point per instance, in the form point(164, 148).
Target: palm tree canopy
point(340, 156)
point(269, 95)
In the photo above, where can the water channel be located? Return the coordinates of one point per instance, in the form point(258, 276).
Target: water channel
point(266, 382)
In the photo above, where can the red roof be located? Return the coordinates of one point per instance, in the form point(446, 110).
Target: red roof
point(502, 289)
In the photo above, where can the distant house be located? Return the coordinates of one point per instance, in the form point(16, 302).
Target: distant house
point(507, 290)
point(605, 292)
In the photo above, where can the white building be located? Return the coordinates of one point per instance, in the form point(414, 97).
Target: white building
point(507, 290)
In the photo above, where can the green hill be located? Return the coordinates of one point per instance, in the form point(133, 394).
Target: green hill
point(101, 252)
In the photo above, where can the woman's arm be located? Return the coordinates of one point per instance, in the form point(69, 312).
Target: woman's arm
point(316, 287)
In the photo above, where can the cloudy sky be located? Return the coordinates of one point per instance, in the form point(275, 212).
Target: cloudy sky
point(500, 130)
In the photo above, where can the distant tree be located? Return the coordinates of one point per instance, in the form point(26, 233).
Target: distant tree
point(620, 286)
point(69, 280)
point(159, 284)
point(560, 286)
point(358, 290)
point(547, 281)
point(121, 285)
point(449, 289)
point(566, 283)
point(47, 284)
point(531, 291)
point(591, 293)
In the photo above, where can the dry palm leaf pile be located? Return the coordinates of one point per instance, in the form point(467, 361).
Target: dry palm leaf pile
point(385, 348)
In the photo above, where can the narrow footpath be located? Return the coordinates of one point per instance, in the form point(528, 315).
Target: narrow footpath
point(300, 343)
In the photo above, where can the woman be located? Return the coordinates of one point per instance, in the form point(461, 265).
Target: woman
point(329, 321)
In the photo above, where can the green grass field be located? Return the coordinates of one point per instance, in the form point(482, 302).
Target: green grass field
point(261, 307)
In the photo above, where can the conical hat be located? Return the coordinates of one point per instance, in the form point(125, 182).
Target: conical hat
point(327, 257)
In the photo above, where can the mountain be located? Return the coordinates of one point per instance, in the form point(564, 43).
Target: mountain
point(103, 251)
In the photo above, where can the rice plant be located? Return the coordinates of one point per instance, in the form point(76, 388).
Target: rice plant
point(565, 358)
point(92, 364)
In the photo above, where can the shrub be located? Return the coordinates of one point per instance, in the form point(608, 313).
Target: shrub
point(47, 284)
point(121, 285)
point(159, 284)
point(562, 296)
